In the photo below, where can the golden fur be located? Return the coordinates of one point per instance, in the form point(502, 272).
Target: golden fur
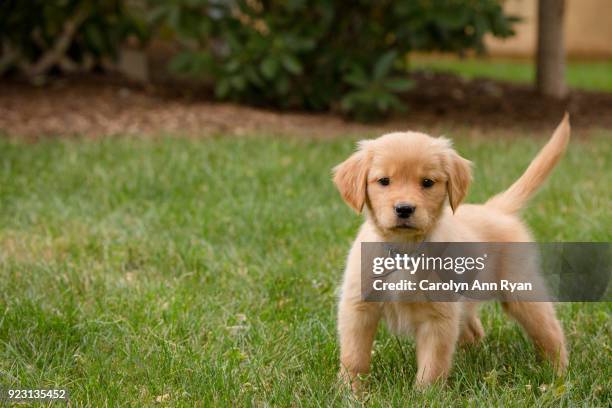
point(407, 159)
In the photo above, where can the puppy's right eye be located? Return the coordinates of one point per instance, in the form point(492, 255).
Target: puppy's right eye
point(384, 181)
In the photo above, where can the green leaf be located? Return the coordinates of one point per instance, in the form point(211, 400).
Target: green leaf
point(357, 78)
point(233, 65)
point(398, 84)
point(384, 65)
point(238, 82)
point(269, 67)
point(292, 64)
point(182, 62)
point(387, 102)
point(174, 18)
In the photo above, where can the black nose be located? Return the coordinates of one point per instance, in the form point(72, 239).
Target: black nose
point(404, 210)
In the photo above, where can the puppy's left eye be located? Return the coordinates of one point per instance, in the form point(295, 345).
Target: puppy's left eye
point(426, 183)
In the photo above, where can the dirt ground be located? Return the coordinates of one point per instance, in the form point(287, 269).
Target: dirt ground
point(98, 106)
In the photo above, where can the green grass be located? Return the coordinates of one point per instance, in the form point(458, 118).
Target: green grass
point(586, 75)
point(206, 271)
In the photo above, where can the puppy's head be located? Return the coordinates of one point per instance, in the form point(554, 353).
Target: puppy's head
point(404, 180)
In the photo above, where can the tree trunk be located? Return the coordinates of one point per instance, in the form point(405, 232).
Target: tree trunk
point(551, 49)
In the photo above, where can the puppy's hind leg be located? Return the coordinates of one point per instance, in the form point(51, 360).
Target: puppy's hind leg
point(541, 324)
point(357, 324)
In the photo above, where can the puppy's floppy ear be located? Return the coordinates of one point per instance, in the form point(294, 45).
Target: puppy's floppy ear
point(350, 177)
point(459, 172)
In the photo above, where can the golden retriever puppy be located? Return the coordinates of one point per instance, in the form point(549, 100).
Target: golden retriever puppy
point(410, 186)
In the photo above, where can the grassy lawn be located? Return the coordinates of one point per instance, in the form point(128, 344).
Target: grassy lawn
point(205, 272)
point(586, 75)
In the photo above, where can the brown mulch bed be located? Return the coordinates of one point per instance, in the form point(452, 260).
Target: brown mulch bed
point(100, 106)
point(97, 106)
point(489, 103)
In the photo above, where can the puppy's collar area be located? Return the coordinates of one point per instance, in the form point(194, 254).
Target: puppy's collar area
point(392, 252)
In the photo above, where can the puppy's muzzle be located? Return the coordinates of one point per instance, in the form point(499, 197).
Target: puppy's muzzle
point(404, 210)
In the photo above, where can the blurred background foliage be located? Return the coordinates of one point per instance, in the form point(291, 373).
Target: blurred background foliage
point(39, 37)
point(296, 54)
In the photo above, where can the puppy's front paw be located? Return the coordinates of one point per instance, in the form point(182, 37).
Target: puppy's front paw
point(424, 384)
point(560, 362)
point(357, 382)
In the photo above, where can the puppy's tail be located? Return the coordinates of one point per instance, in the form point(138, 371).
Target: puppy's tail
point(515, 197)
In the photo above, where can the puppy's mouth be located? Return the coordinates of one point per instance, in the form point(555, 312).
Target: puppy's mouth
point(405, 227)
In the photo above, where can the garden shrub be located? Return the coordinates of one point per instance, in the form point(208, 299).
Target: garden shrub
point(314, 55)
point(320, 54)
